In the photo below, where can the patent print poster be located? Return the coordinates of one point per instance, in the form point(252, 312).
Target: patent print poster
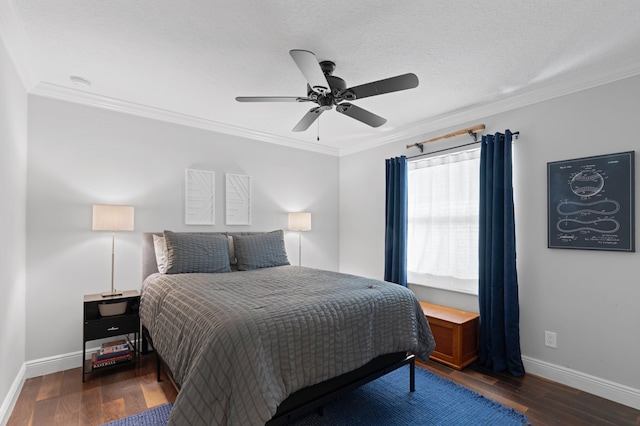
point(591, 203)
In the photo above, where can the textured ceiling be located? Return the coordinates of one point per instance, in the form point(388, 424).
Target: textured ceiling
point(186, 61)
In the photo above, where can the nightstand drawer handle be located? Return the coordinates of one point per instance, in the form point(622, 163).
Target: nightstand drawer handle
point(113, 328)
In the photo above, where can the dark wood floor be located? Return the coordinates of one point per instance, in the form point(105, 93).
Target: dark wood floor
point(62, 399)
point(543, 402)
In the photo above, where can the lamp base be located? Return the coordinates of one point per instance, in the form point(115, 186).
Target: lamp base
point(112, 293)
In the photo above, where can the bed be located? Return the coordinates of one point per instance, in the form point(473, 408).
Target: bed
point(250, 339)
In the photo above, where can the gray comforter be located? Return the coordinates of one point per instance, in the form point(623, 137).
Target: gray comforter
point(239, 343)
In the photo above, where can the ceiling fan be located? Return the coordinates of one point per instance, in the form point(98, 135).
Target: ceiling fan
point(327, 90)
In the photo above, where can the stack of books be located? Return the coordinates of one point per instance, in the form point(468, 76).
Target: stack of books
point(112, 353)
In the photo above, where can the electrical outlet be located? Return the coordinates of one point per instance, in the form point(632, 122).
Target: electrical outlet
point(550, 339)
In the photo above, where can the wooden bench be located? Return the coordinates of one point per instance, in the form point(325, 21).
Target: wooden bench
point(456, 334)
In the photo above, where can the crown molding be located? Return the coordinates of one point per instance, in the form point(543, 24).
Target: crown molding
point(419, 130)
point(530, 97)
point(54, 91)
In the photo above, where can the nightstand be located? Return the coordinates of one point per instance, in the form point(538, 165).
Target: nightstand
point(97, 326)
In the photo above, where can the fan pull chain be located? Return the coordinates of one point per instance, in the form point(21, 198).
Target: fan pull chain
point(318, 138)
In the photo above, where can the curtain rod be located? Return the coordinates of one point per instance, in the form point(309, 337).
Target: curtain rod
point(515, 136)
point(471, 131)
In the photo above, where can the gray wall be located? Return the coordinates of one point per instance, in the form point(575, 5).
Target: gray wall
point(79, 156)
point(590, 299)
point(13, 174)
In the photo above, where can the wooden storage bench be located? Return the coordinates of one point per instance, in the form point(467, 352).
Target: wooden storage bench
point(456, 334)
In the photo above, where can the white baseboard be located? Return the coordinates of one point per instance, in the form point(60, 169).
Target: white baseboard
point(35, 368)
point(604, 388)
point(53, 364)
point(14, 391)
point(595, 385)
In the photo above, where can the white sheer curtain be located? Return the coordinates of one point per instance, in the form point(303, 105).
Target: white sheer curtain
point(443, 221)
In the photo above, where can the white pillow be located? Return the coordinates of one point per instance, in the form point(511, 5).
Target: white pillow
point(160, 246)
point(232, 252)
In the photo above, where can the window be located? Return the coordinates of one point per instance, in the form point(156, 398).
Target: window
point(443, 221)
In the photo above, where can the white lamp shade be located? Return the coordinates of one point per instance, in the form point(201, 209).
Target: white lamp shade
point(112, 218)
point(300, 221)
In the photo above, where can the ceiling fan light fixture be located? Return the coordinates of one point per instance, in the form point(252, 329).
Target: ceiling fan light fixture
point(327, 90)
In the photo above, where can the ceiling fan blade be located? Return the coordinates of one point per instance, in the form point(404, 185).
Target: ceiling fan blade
point(308, 119)
point(310, 68)
point(271, 99)
point(393, 84)
point(360, 114)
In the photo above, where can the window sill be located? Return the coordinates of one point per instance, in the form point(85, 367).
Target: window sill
point(450, 289)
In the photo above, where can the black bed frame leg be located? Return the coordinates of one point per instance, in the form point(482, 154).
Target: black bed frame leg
point(157, 367)
point(412, 375)
point(146, 339)
point(144, 347)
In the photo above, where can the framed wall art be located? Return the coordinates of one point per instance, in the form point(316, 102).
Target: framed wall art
point(238, 199)
point(199, 203)
point(591, 203)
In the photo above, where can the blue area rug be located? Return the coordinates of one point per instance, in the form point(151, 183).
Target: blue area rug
point(387, 401)
point(155, 417)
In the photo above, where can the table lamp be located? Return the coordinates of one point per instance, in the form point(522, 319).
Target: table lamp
point(299, 221)
point(112, 218)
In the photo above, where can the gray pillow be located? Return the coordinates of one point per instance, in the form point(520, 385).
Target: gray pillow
point(260, 251)
point(190, 253)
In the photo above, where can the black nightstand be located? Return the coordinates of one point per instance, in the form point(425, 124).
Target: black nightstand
point(97, 326)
